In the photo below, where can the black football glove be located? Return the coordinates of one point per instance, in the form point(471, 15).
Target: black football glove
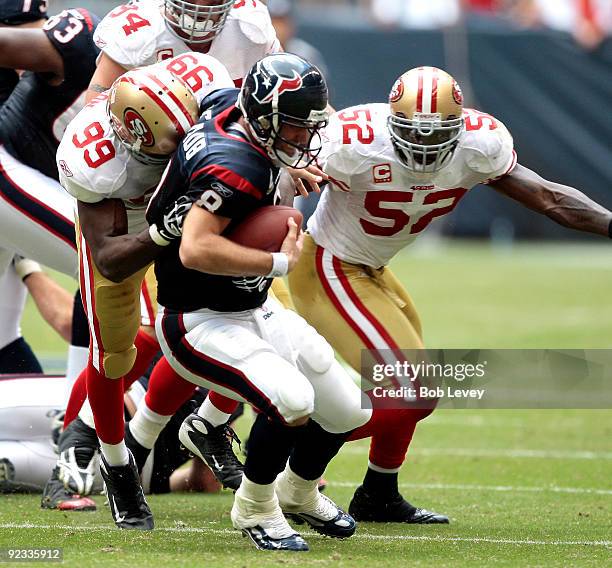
point(170, 226)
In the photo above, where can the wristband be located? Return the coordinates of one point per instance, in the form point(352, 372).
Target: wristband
point(280, 265)
point(24, 267)
point(156, 236)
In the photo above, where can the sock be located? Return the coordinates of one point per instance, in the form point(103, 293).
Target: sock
point(77, 362)
point(18, 357)
point(314, 449)
point(223, 403)
point(78, 352)
point(77, 398)
point(146, 425)
point(86, 415)
point(255, 491)
point(167, 391)
point(115, 454)
point(380, 483)
point(391, 431)
point(147, 347)
point(209, 412)
point(269, 446)
point(106, 399)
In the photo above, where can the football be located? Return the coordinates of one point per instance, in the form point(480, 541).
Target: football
point(265, 228)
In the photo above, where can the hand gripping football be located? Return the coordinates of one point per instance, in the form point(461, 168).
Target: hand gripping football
point(265, 228)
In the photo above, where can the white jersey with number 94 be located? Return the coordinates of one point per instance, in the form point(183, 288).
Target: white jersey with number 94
point(375, 206)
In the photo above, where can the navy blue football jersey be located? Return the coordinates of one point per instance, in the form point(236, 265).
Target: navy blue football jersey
point(220, 170)
point(34, 117)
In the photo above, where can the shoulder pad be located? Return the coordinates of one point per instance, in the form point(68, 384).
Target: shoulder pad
point(489, 150)
point(254, 21)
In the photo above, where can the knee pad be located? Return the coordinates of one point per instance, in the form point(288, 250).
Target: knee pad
point(296, 400)
point(116, 365)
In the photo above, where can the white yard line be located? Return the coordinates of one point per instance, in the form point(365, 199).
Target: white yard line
point(358, 536)
point(501, 453)
point(502, 488)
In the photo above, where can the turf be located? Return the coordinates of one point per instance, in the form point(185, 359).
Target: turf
point(522, 488)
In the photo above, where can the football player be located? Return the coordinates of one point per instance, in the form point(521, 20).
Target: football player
point(237, 33)
point(394, 168)
point(231, 337)
point(36, 215)
point(110, 160)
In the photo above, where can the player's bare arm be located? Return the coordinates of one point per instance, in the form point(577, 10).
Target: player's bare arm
point(106, 73)
point(561, 203)
point(30, 49)
point(203, 247)
point(116, 253)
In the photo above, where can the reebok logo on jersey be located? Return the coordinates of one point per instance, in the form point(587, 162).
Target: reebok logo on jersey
point(65, 169)
point(422, 187)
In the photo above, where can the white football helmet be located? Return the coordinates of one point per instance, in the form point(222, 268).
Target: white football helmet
point(150, 113)
point(198, 21)
point(426, 119)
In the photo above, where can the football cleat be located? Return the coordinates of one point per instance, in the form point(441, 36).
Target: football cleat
point(302, 502)
point(367, 507)
point(268, 530)
point(213, 445)
point(323, 516)
point(126, 499)
point(55, 496)
point(139, 452)
point(78, 445)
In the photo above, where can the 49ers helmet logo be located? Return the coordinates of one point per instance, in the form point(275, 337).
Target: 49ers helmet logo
point(396, 91)
point(269, 86)
point(457, 93)
point(138, 127)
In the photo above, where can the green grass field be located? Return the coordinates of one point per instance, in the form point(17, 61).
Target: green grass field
point(522, 488)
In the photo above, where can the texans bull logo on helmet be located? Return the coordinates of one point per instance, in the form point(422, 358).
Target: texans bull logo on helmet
point(138, 127)
point(270, 86)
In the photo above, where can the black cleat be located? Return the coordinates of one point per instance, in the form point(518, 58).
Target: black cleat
point(77, 446)
point(139, 452)
point(370, 508)
point(264, 541)
point(213, 445)
point(127, 501)
point(55, 496)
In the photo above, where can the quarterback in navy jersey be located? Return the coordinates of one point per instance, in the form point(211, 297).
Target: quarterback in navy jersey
point(216, 325)
point(221, 170)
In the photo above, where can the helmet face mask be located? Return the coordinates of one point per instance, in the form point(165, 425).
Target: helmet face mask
point(150, 113)
point(426, 120)
point(284, 101)
point(196, 23)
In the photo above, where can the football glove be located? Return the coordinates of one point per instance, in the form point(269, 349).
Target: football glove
point(170, 226)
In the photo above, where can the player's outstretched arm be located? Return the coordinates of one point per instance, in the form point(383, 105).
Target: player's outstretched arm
point(561, 203)
point(104, 76)
point(116, 253)
point(29, 49)
point(203, 248)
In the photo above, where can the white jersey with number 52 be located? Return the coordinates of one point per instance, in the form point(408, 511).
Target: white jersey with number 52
point(374, 206)
point(136, 34)
point(94, 165)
